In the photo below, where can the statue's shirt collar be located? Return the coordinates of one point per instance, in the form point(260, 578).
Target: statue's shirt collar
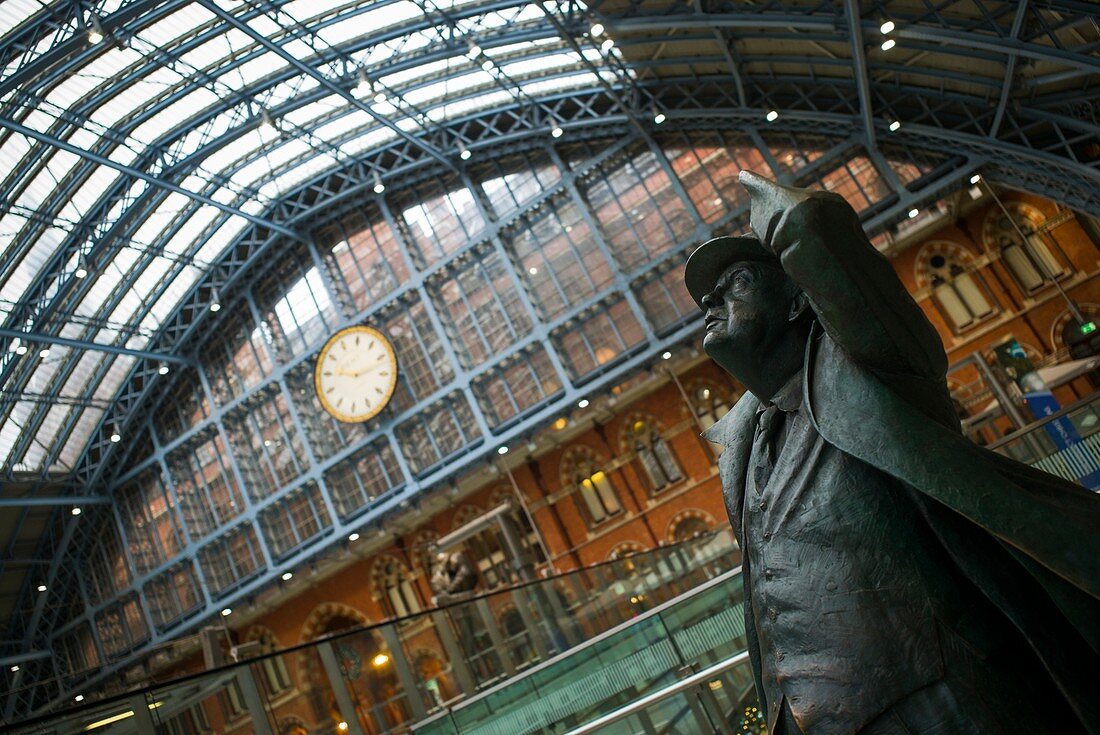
point(789, 397)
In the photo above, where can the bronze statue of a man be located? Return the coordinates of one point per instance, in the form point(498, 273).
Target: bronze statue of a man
point(898, 578)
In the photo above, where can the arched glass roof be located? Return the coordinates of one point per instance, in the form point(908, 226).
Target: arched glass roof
point(153, 153)
point(141, 139)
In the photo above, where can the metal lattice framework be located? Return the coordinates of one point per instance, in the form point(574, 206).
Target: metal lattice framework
point(161, 156)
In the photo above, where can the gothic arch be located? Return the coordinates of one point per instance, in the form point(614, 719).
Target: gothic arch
point(1058, 328)
point(688, 514)
point(261, 633)
point(325, 612)
point(420, 551)
point(993, 226)
point(292, 725)
point(626, 429)
point(923, 267)
point(310, 676)
point(464, 515)
point(379, 570)
point(624, 549)
point(502, 494)
point(573, 456)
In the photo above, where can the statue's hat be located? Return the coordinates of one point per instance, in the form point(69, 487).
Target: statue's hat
point(711, 259)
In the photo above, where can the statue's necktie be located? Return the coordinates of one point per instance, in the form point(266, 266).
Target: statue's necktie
point(768, 423)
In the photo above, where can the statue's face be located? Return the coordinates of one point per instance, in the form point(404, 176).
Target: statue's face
point(747, 312)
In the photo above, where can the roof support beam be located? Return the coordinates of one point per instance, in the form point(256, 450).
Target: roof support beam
point(46, 502)
point(1010, 71)
point(148, 178)
point(859, 70)
point(324, 81)
point(80, 344)
point(22, 657)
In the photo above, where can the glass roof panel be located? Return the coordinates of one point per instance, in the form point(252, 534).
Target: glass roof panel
point(77, 382)
point(46, 436)
point(81, 432)
point(31, 264)
point(118, 370)
point(171, 297)
point(176, 25)
point(100, 71)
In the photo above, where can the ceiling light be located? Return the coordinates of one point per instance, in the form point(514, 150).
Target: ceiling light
point(658, 116)
point(502, 450)
point(975, 178)
point(81, 267)
point(894, 126)
point(215, 302)
point(380, 96)
point(474, 51)
point(913, 212)
point(772, 116)
point(15, 668)
point(287, 576)
point(380, 660)
point(533, 271)
point(21, 350)
point(78, 698)
point(353, 537)
point(163, 370)
point(487, 65)
point(342, 726)
point(95, 33)
point(582, 403)
point(115, 436)
point(463, 151)
point(365, 85)
point(379, 187)
point(888, 44)
point(226, 612)
point(76, 511)
point(556, 132)
point(41, 588)
point(597, 29)
point(607, 45)
point(886, 27)
point(666, 356)
point(44, 352)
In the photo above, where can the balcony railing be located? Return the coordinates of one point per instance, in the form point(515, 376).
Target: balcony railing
point(383, 678)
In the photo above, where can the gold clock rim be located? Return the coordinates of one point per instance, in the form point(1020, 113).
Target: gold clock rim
point(383, 402)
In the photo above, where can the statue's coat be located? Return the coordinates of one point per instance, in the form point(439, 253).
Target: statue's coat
point(873, 382)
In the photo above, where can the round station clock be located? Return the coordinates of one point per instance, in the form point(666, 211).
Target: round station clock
point(356, 374)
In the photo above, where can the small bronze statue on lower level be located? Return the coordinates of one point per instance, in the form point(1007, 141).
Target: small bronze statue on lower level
point(898, 578)
point(453, 576)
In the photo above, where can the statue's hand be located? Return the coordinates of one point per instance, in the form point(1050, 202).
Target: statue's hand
point(770, 201)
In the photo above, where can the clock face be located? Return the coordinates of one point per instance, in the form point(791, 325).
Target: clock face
point(356, 374)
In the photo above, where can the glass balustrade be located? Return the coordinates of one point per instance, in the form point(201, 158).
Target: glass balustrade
point(1066, 443)
point(644, 655)
point(383, 678)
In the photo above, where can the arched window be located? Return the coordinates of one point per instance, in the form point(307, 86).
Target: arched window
point(1031, 260)
point(597, 496)
point(958, 290)
point(624, 550)
point(394, 587)
point(653, 458)
point(709, 403)
point(689, 528)
point(276, 677)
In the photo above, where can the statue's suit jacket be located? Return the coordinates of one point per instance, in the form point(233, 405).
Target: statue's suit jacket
point(874, 387)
